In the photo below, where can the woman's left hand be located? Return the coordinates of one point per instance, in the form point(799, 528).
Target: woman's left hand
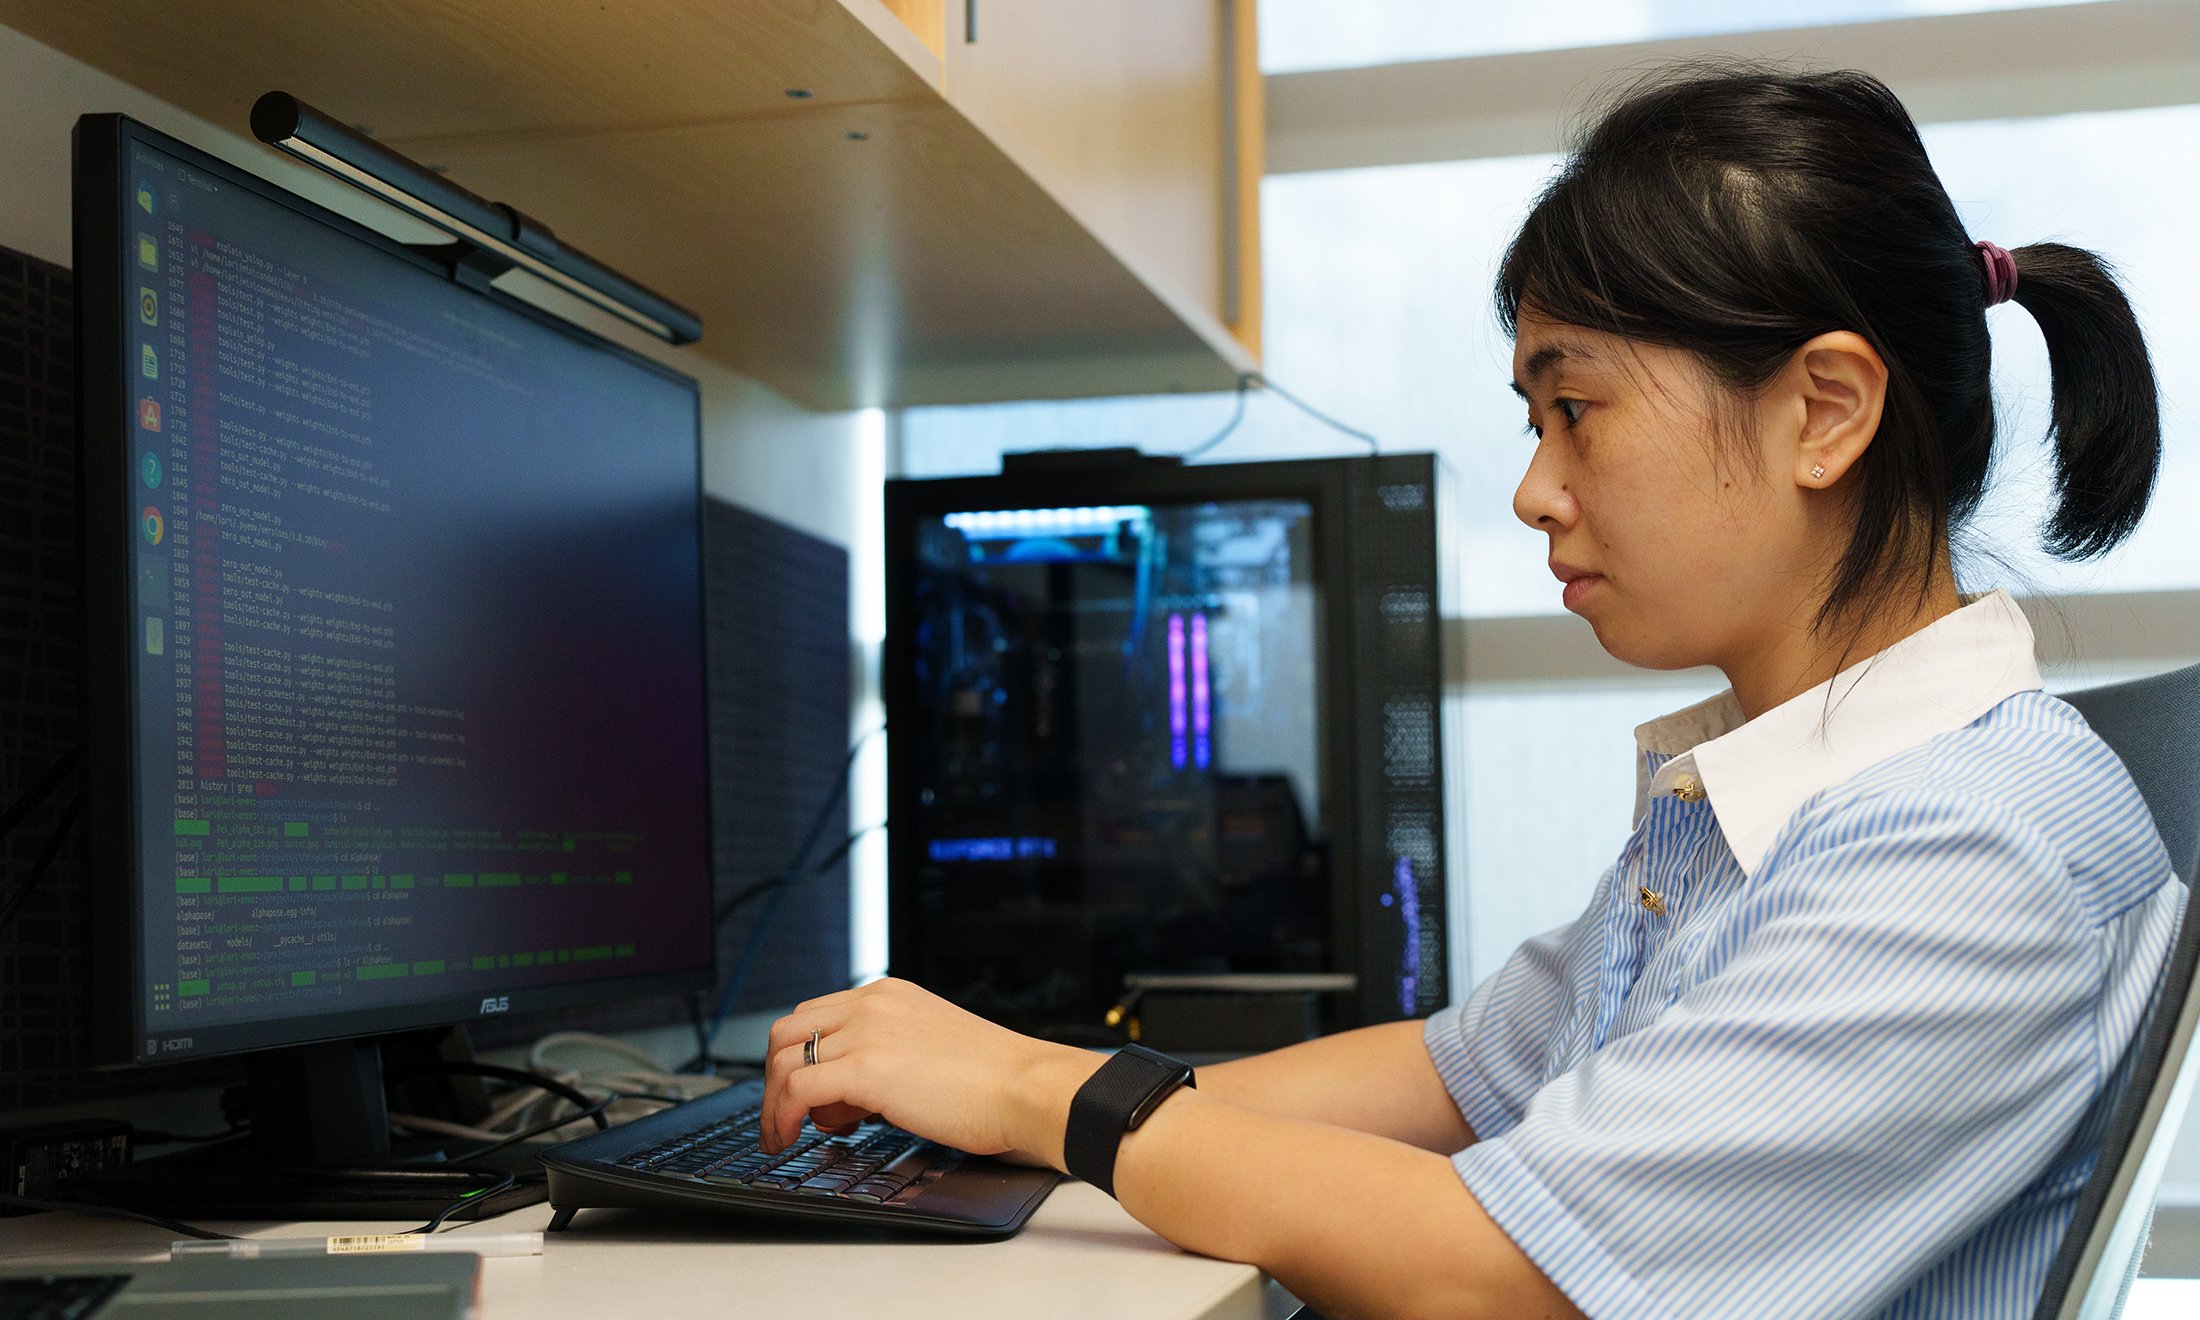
point(892, 1049)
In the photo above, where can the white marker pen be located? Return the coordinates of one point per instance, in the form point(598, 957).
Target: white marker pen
point(483, 1244)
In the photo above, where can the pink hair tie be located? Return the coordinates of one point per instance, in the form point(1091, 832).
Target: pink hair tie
point(2001, 272)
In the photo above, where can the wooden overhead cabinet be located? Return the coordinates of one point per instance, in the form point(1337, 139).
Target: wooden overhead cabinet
point(869, 202)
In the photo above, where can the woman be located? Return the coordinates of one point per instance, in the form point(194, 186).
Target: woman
point(1834, 1034)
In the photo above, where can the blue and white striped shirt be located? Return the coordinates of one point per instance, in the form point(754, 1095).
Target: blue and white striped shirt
point(1833, 1036)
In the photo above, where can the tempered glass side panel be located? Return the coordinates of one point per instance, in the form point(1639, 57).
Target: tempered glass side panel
point(1114, 715)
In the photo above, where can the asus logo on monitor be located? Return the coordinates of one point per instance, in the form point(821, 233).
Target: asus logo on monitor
point(496, 1004)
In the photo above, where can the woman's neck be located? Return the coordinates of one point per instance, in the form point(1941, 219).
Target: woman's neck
point(1795, 658)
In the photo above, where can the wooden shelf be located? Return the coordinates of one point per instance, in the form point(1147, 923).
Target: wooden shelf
point(868, 243)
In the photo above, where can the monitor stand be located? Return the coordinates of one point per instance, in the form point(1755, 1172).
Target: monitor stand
point(320, 1146)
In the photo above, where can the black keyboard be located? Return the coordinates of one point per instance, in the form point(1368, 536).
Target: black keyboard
point(875, 1164)
point(704, 1155)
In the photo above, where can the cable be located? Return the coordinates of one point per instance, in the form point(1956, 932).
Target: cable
point(778, 886)
point(156, 1137)
point(38, 792)
point(442, 1127)
point(45, 860)
point(755, 1065)
point(446, 1128)
point(824, 864)
point(480, 1195)
point(504, 1182)
point(740, 974)
point(116, 1212)
point(840, 790)
point(1250, 378)
point(603, 1044)
point(522, 1076)
point(1374, 446)
point(586, 1107)
point(593, 1111)
point(652, 1097)
point(1237, 414)
point(514, 1105)
point(824, 810)
point(703, 1059)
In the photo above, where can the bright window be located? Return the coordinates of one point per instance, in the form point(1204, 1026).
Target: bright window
point(1322, 34)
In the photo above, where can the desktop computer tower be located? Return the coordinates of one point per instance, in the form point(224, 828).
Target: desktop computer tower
point(1170, 730)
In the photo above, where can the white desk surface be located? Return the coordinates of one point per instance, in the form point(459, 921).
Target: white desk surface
point(1080, 1256)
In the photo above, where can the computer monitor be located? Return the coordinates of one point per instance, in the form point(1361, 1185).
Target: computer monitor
point(395, 712)
point(1157, 720)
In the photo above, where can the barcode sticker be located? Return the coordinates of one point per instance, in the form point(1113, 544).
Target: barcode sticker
point(338, 1246)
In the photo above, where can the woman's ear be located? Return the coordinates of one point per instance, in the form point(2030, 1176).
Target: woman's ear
point(1841, 382)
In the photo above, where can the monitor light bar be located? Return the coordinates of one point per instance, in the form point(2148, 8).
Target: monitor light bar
point(503, 236)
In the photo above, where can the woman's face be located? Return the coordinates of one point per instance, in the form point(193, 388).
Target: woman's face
point(1678, 544)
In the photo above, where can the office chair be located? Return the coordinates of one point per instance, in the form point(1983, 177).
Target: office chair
point(2154, 725)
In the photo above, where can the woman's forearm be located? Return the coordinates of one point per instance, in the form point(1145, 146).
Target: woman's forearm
point(1377, 1080)
point(1354, 1224)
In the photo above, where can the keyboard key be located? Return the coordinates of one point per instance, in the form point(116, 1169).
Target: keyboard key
point(911, 1162)
point(875, 1165)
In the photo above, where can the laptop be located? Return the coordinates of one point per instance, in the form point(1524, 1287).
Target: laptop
point(420, 1286)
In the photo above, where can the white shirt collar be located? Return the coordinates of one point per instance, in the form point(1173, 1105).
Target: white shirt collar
point(1756, 774)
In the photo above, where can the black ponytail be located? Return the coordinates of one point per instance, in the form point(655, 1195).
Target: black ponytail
point(2105, 423)
point(1736, 211)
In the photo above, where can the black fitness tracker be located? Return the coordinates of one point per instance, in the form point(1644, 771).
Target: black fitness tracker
point(1113, 1101)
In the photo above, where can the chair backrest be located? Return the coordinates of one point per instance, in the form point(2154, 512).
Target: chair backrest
point(2154, 725)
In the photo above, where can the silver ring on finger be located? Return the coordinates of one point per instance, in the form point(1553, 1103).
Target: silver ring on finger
point(809, 1048)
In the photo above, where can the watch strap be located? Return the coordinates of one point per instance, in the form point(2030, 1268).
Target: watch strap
point(1113, 1101)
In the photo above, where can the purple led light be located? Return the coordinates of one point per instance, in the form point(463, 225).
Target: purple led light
point(1409, 954)
point(1176, 691)
point(1202, 746)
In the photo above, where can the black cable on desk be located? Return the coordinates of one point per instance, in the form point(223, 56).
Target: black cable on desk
point(588, 1108)
point(116, 1212)
point(156, 1137)
point(506, 1183)
point(522, 1076)
point(594, 1111)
